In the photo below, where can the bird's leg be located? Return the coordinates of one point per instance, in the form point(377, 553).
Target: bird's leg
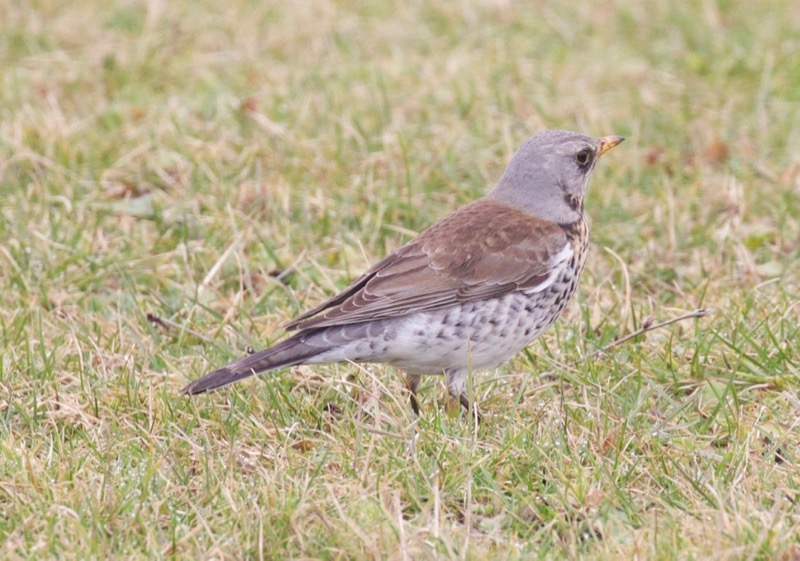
point(412, 383)
point(457, 385)
point(471, 408)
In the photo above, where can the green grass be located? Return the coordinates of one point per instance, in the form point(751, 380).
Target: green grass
point(221, 166)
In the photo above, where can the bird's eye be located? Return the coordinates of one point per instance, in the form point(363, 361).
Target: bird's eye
point(583, 157)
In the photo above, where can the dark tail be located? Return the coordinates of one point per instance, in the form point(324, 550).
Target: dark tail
point(286, 353)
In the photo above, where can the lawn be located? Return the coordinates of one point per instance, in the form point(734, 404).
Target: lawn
point(178, 179)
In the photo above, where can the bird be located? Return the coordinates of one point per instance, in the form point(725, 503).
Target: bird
point(466, 294)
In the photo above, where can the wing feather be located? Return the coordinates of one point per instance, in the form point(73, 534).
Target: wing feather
point(485, 250)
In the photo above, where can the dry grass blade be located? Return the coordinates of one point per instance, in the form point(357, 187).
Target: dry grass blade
point(647, 325)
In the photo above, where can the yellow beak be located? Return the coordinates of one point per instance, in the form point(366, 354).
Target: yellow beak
point(608, 142)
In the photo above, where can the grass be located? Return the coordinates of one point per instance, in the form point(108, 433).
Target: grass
point(178, 179)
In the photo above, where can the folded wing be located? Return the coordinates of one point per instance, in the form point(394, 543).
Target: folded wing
point(460, 259)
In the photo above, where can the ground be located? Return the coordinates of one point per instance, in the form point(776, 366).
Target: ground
point(178, 179)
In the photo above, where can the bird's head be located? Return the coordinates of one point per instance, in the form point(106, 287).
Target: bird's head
point(549, 174)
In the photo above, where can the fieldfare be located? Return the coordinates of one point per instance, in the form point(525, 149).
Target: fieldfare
point(467, 293)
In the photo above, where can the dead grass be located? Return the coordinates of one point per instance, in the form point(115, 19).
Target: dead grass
point(179, 179)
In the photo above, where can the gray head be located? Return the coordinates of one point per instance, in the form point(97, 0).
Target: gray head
point(549, 174)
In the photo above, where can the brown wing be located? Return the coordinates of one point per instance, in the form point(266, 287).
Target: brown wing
point(484, 250)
